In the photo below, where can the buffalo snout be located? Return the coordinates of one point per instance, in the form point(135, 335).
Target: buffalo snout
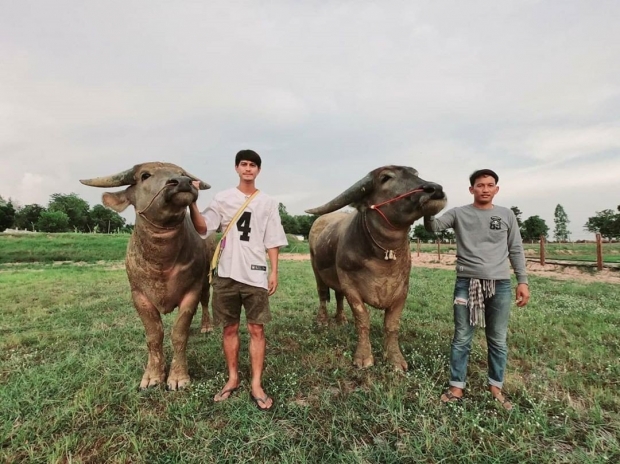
point(434, 190)
point(183, 183)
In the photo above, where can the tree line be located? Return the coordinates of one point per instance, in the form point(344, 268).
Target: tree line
point(606, 223)
point(64, 213)
point(70, 213)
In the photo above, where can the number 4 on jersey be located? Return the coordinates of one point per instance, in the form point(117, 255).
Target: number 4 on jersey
point(243, 226)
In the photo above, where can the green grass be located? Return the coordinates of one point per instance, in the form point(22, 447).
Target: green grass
point(47, 248)
point(73, 349)
point(91, 248)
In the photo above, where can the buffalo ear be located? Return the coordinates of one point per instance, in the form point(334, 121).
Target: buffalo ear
point(118, 201)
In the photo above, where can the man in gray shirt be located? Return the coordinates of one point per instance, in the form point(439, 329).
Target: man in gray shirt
point(487, 239)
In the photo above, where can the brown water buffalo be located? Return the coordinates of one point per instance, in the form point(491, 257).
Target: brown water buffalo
point(166, 262)
point(364, 255)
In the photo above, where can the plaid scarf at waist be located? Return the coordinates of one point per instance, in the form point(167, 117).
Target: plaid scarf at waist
point(479, 290)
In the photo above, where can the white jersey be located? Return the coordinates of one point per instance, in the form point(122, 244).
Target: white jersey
point(258, 228)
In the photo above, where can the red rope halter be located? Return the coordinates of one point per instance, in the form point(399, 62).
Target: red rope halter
point(391, 200)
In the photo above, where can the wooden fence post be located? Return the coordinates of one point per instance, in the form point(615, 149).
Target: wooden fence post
point(418, 248)
point(439, 250)
point(542, 250)
point(599, 252)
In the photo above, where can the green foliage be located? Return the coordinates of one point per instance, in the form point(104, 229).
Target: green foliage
point(533, 228)
point(517, 212)
point(297, 225)
point(74, 351)
point(53, 221)
point(28, 216)
point(419, 232)
point(606, 223)
point(7, 215)
point(104, 220)
point(560, 218)
point(74, 207)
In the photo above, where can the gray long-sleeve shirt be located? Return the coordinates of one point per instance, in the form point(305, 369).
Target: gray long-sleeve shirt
point(486, 240)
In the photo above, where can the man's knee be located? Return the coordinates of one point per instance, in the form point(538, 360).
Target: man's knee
point(231, 330)
point(256, 330)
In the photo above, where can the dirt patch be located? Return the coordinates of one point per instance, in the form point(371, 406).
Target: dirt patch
point(553, 271)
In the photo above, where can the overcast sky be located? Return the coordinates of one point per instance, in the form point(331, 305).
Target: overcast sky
point(324, 91)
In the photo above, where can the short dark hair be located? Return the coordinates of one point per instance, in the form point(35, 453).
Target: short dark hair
point(482, 173)
point(248, 155)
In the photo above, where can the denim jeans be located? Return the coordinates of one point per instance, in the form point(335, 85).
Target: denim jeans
point(497, 314)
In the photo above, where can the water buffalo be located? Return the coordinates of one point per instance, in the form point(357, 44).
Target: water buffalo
point(166, 262)
point(364, 255)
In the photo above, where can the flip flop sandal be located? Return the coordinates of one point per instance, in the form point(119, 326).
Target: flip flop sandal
point(230, 392)
point(263, 400)
point(449, 397)
point(506, 404)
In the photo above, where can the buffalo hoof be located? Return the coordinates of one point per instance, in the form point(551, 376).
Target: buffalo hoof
point(322, 321)
point(399, 364)
point(206, 329)
point(341, 320)
point(362, 362)
point(149, 381)
point(175, 384)
point(394, 356)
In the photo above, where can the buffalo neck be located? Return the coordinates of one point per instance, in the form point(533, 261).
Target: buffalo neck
point(378, 234)
point(159, 245)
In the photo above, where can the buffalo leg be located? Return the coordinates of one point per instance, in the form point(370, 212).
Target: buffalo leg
point(323, 291)
point(155, 371)
point(179, 376)
point(363, 353)
point(391, 326)
point(341, 318)
point(205, 323)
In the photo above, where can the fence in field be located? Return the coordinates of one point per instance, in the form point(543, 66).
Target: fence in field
point(540, 252)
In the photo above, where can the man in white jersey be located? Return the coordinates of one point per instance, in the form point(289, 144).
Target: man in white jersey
point(242, 276)
point(487, 239)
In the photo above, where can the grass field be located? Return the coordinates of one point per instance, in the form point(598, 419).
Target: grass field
point(91, 248)
point(73, 350)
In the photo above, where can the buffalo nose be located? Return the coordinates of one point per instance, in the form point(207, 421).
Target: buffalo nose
point(181, 181)
point(435, 190)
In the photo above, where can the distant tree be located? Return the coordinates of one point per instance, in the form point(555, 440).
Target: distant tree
point(419, 232)
point(560, 218)
point(7, 215)
point(606, 223)
point(533, 228)
point(303, 223)
point(104, 220)
point(27, 217)
point(74, 207)
point(446, 235)
point(288, 222)
point(53, 221)
point(518, 214)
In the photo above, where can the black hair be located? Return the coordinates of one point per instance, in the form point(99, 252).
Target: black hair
point(482, 173)
point(248, 155)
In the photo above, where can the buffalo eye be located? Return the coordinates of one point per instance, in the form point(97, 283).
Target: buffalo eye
point(145, 176)
point(385, 177)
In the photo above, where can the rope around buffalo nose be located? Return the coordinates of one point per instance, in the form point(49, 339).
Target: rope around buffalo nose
point(391, 200)
point(143, 210)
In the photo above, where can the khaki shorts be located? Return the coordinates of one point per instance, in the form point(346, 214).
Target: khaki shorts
point(228, 297)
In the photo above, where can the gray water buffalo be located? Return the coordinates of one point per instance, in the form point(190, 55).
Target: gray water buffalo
point(166, 262)
point(364, 255)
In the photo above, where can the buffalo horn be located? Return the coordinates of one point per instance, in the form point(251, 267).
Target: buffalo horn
point(203, 185)
point(353, 193)
point(116, 180)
